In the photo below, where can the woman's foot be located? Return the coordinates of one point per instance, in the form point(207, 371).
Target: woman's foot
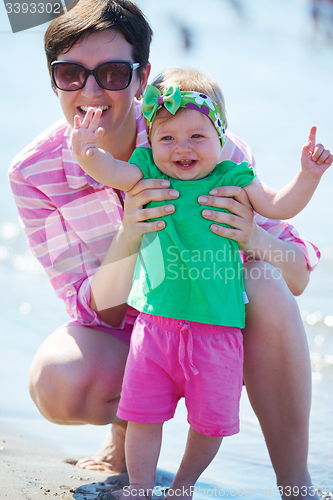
point(111, 455)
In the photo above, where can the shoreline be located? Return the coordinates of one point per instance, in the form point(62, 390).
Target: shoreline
point(33, 470)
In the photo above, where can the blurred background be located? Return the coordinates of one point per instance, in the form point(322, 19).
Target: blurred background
point(273, 61)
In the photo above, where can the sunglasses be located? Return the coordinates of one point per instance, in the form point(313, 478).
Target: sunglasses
point(113, 75)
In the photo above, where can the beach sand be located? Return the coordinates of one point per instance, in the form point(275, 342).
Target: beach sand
point(31, 470)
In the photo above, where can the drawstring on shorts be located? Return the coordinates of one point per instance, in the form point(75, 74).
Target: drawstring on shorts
point(186, 346)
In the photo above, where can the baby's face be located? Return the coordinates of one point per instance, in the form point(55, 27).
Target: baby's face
point(185, 146)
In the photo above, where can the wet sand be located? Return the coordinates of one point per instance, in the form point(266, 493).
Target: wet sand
point(32, 470)
point(29, 469)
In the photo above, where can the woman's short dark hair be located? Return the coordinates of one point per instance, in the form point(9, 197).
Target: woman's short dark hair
point(84, 17)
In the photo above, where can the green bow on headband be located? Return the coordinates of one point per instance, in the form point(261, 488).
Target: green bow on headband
point(173, 99)
point(153, 99)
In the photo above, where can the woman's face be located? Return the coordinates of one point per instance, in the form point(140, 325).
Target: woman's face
point(118, 110)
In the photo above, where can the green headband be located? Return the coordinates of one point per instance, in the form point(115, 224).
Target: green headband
point(173, 99)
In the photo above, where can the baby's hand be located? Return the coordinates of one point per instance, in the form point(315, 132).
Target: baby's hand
point(315, 159)
point(86, 134)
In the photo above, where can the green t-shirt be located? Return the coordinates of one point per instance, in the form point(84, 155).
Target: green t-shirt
point(185, 271)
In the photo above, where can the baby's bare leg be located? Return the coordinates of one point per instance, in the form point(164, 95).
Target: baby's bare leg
point(199, 453)
point(142, 448)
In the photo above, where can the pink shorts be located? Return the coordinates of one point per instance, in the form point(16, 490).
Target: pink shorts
point(170, 359)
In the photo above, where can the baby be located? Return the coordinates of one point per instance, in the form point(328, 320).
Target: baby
point(188, 281)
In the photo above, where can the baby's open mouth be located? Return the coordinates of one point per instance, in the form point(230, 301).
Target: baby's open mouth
point(186, 163)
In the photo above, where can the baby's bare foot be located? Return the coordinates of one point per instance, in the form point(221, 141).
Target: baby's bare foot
point(111, 455)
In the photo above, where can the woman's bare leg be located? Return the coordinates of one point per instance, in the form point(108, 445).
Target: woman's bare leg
point(76, 379)
point(111, 454)
point(277, 373)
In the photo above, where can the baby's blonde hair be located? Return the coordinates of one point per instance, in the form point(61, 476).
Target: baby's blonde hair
point(192, 79)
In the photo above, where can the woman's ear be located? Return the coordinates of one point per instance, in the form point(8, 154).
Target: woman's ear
point(144, 80)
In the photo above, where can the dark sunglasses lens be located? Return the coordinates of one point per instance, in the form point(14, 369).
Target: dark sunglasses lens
point(114, 76)
point(69, 76)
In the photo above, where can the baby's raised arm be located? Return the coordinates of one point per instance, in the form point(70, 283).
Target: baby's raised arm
point(96, 162)
point(293, 197)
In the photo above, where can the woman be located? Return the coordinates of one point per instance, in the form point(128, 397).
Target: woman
point(70, 221)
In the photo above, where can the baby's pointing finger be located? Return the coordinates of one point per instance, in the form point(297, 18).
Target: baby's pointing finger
point(312, 136)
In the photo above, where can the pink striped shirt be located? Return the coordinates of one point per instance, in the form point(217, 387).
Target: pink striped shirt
point(70, 219)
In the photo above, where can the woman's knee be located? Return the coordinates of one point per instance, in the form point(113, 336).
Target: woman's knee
point(72, 378)
point(57, 381)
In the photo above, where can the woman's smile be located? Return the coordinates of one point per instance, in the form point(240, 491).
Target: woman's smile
point(84, 109)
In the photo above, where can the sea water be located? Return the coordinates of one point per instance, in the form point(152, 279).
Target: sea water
point(276, 74)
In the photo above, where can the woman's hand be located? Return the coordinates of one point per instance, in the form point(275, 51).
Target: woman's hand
point(119, 263)
point(243, 228)
point(136, 218)
point(257, 243)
